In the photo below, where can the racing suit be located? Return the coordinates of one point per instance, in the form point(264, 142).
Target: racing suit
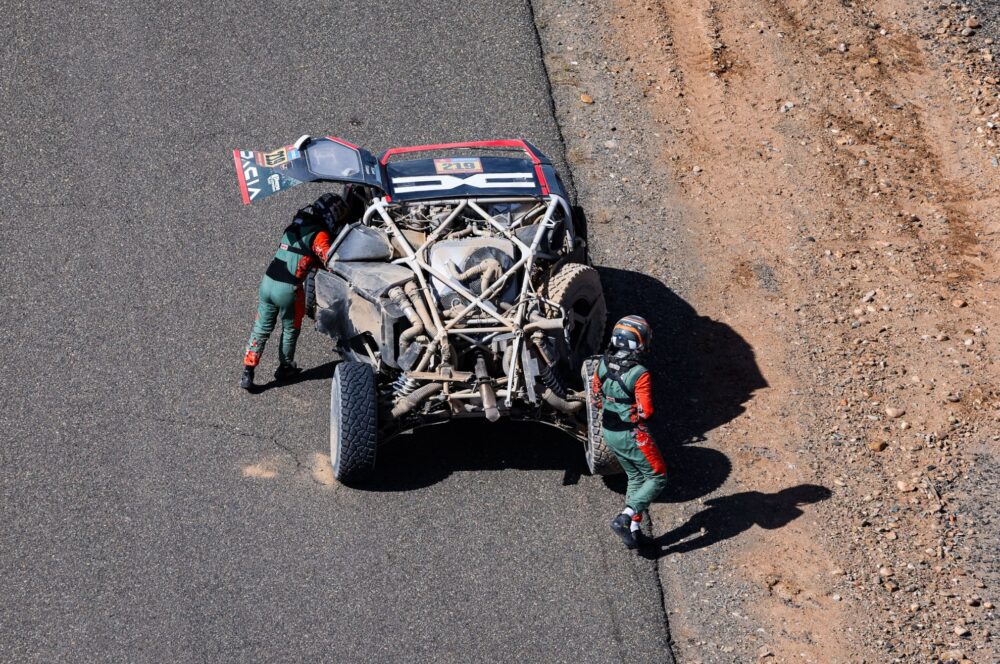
point(625, 390)
point(303, 246)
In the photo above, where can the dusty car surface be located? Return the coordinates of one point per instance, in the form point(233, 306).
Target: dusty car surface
point(463, 291)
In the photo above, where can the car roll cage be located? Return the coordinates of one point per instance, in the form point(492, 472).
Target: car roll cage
point(501, 323)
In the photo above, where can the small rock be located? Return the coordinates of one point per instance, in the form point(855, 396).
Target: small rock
point(586, 99)
point(894, 412)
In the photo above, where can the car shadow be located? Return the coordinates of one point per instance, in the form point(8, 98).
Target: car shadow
point(728, 516)
point(704, 374)
point(430, 454)
point(320, 372)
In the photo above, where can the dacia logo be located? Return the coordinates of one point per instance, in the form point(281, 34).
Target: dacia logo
point(250, 174)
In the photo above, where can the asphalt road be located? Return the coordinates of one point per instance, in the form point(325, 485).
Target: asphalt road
point(153, 512)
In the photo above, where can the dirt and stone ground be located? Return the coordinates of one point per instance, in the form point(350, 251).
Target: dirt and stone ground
point(803, 197)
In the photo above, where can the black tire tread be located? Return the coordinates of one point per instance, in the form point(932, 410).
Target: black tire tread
point(358, 422)
point(600, 459)
point(309, 291)
point(560, 288)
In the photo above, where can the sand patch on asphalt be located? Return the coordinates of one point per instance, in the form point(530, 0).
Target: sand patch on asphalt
point(265, 469)
point(321, 470)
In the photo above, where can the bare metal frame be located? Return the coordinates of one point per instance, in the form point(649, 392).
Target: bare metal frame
point(501, 322)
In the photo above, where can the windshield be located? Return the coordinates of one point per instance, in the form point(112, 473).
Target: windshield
point(333, 160)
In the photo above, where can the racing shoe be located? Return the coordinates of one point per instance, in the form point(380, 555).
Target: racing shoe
point(286, 371)
point(620, 524)
point(246, 380)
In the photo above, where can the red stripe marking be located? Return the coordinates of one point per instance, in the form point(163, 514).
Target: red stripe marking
point(651, 452)
point(343, 142)
point(241, 177)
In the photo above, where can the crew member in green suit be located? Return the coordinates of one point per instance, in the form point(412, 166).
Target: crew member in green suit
point(304, 245)
point(624, 388)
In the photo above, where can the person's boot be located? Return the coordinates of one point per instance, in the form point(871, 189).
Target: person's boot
point(286, 371)
point(620, 525)
point(246, 380)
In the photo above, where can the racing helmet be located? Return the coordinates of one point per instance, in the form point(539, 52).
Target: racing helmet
point(632, 333)
point(332, 209)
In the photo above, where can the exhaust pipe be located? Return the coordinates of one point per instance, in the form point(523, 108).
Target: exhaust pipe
point(560, 404)
point(414, 399)
point(489, 402)
point(400, 299)
point(417, 298)
point(486, 392)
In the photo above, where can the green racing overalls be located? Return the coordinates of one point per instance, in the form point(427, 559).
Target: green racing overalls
point(626, 394)
point(303, 246)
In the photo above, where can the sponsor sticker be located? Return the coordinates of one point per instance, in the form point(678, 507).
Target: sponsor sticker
point(456, 165)
point(278, 157)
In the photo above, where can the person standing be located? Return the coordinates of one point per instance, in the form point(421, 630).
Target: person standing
point(303, 246)
point(624, 388)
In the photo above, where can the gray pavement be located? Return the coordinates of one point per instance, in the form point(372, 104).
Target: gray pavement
point(130, 529)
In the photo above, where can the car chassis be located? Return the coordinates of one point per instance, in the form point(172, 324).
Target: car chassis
point(464, 290)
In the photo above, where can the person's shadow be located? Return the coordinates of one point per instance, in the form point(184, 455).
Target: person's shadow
point(703, 371)
point(728, 516)
point(321, 372)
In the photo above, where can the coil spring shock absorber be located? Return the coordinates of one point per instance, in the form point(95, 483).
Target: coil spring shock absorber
point(546, 372)
point(551, 380)
point(403, 386)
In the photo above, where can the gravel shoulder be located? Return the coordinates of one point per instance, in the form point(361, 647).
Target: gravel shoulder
point(803, 196)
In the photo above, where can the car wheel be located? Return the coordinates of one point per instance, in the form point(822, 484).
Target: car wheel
point(600, 459)
point(353, 422)
point(577, 289)
point(309, 288)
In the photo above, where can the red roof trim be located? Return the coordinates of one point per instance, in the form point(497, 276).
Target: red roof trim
point(343, 142)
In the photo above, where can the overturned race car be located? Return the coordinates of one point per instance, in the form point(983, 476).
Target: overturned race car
point(464, 290)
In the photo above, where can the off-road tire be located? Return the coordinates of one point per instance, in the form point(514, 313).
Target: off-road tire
point(577, 289)
point(600, 459)
point(353, 422)
point(309, 291)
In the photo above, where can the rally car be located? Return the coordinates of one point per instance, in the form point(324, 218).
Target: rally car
point(464, 290)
